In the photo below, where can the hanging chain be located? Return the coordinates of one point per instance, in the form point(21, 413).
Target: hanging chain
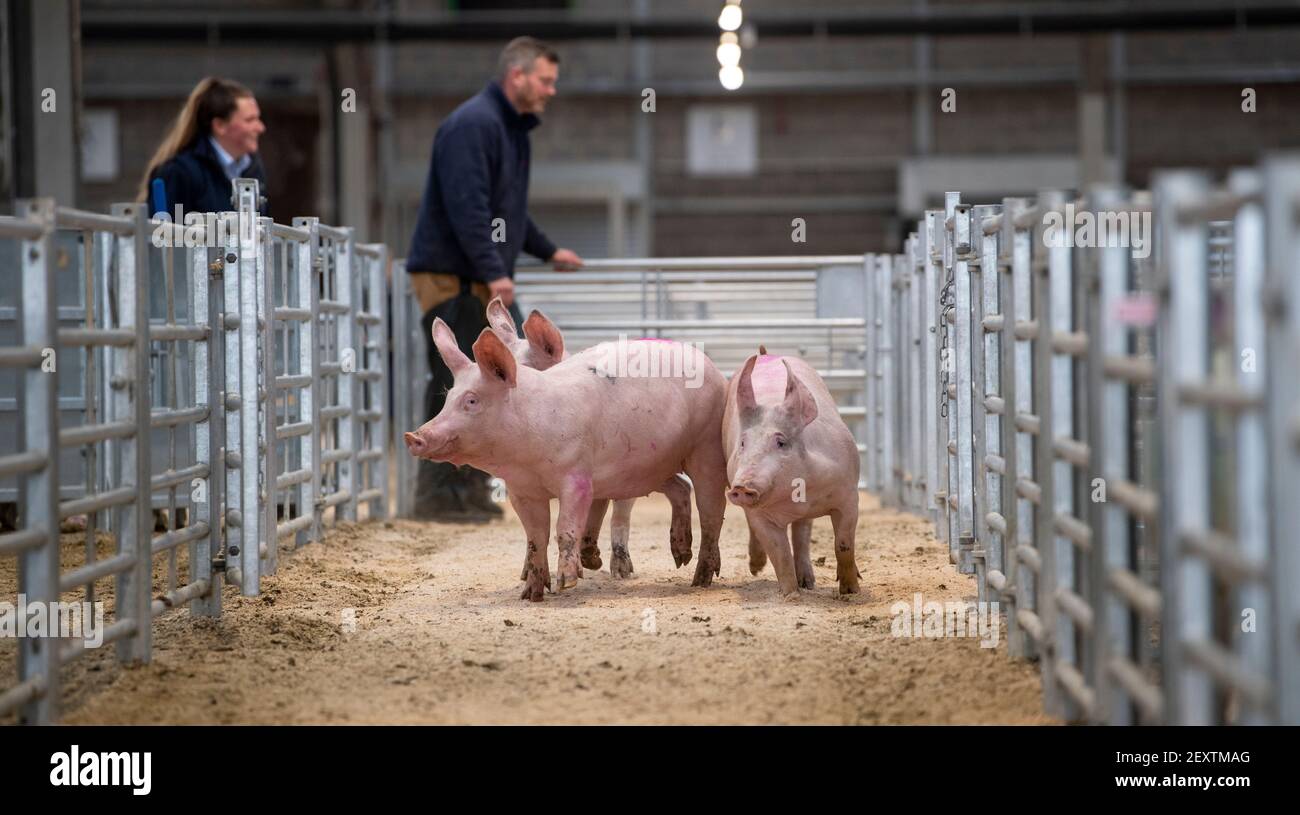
point(947, 302)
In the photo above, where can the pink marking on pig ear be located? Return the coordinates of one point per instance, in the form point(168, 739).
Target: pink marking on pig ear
point(799, 402)
point(445, 342)
point(498, 317)
point(494, 359)
point(544, 336)
point(745, 400)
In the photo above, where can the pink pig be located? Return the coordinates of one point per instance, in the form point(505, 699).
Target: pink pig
point(580, 434)
point(541, 348)
point(790, 458)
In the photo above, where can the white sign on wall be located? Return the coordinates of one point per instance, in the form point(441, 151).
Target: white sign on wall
point(721, 140)
point(99, 144)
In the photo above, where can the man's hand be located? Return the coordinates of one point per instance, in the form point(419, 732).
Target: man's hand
point(566, 260)
point(504, 288)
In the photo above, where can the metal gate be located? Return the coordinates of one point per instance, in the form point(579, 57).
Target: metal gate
point(231, 367)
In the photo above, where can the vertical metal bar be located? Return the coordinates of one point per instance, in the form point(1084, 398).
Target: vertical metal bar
point(1059, 317)
point(346, 283)
point(307, 268)
point(887, 384)
point(1013, 270)
point(963, 345)
point(1109, 434)
point(930, 360)
point(985, 379)
point(38, 395)
point(91, 246)
point(1251, 361)
point(238, 537)
point(131, 400)
point(1189, 693)
point(1043, 534)
point(265, 263)
point(1282, 191)
point(249, 239)
point(207, 510)
point(402, 374)
point(378, 335)
point(903, 415)
point(871, 395)
point(948, 464)
point(916, 357)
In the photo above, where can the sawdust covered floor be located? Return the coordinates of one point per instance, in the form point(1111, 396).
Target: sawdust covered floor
point(440, 636)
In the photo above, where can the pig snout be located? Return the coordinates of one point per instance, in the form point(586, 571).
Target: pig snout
point(422, 444)
point(414, 444)
point(742, 495)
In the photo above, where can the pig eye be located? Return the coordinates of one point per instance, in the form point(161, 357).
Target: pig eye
point(780, 442)
point(470, 401)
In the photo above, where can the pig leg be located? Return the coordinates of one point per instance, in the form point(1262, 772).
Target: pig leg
point(801, 537)
point(679, 534)
point(773, 538)
point(535, 515)
point(757, 557)
point(590, 550)
point(620, 563)
point(575, 507)
point(845, 522)
point(707, 468)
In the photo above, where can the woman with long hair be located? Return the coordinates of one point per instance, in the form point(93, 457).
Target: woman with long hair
point(212, 141)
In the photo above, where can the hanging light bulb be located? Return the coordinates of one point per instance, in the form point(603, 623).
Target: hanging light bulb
point(731, 16)
point(728, 50)
point(731, 77)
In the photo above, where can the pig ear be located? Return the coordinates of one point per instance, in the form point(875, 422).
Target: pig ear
point(494, 359)
point(745, 400)
point(799, 401)
point(445, 342)
point(498, 317)
point(543, 336)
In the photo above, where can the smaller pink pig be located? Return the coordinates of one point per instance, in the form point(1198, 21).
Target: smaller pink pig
point(790, 458)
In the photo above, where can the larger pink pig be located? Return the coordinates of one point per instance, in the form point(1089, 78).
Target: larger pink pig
point(790, 459)
point(580, 432)
point(542, 347)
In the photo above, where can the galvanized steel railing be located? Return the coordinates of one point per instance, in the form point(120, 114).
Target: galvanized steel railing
point(254, 402)
point(1110, 443)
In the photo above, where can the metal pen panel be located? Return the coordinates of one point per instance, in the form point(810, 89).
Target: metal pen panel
point(1281, 191)
point(1184, 502)
point(38, 658)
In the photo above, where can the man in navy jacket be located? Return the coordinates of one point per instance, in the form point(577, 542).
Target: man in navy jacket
point(473, 223)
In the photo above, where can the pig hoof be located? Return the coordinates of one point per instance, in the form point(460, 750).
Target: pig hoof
point(756, 563)
point(620, 564)
point(704, 572)
point(679, 541)
point(849, 587)
point(534, 587)
point(791, 596)
point(681, 556)
point(591, 554)
point(807, 581)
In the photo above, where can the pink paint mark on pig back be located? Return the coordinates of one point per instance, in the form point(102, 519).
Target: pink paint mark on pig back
point(768, 380)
